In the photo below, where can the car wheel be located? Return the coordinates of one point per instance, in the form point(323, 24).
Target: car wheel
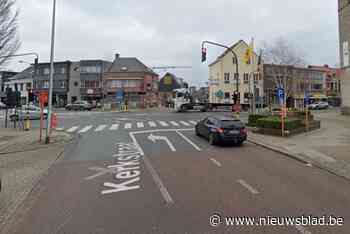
point(197, 132)
point(211, 139)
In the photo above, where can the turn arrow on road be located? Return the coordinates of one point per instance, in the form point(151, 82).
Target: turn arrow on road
point(155, 138)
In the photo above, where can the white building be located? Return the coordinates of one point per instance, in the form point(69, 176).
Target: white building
point(24, 81)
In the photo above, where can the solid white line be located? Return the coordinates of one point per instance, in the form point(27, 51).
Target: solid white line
point(87, 128)
point(188, 140)
point(140, 125)
point(193, 122)
point(248, 186)
point(152, 124)
point(73, 129)
point(174, 123)
point(100, 128)
point(164, 124)
point(127, 126)
point(302, 230)
point(215, 162)
point(114, 127)
point(153, 172)
point(184, 123)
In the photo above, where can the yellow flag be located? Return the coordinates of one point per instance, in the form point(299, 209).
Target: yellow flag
point(249, 53)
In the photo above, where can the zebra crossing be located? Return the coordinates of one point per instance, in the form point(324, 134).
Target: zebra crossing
point(129, 126)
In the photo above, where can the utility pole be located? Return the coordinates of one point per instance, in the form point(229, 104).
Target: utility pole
point(48, 128)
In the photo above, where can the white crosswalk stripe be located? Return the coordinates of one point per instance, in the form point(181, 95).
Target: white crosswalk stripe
point(85, 129)
point(163, 123)
point(73, 129)
point(140, 125)
point(174, 123)
point(152, 124)
point(127, 126)
point(114, 127)
point(193, 122)
point(100, 128)
point(184, 123)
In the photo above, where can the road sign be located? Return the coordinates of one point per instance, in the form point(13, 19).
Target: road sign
point(280, 95)
point(120, 95)
point(307, 99)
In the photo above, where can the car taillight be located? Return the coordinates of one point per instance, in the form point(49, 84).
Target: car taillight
point(243, 131)
point(220, 130)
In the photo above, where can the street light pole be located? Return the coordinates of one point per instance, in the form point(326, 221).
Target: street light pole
point(48, 128)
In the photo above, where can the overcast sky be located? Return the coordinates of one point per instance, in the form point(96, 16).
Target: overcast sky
point(162, 33)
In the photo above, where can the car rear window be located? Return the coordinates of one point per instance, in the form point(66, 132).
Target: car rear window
point(231, 124)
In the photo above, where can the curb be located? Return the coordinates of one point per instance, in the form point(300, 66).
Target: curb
point(299, 159)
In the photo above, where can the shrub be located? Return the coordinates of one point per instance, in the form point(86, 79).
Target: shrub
point(274, 122)
point(252, 120)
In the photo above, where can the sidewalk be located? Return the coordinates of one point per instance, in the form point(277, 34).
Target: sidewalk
point(327, 148)
point(23, 161)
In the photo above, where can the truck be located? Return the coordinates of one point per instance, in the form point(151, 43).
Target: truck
point(183, 101)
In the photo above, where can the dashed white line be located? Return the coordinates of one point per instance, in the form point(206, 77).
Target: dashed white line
point(163, 123)
point(217, 163)
point(174, 123)
point(184, 123)
point(140, 125)
point(114, 127)
point(100, 128)
point(73, 129)
point(127, 126)
point(248, 186)
point(85, 129)
point(152, 124)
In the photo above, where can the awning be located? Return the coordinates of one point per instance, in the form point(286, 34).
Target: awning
point(318, 96)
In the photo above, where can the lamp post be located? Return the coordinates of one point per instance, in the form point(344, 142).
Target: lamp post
point(48, 128)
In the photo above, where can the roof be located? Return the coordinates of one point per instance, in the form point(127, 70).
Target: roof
point(25, 74)
point(125, 64)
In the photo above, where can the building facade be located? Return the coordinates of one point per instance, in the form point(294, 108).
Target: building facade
point(136, 81)
point(344, 39)
point(23, 82)
point(167, 84)
point(223, 78)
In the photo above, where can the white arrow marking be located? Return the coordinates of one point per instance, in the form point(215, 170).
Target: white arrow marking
point(155, 138)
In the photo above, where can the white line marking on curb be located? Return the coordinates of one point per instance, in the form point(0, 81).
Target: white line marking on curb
point(100, 128)
point(302, 229)
point(114, 127)
point(188, 140)
point(127, 126)
point(87, 128)
point(153, 172)
point(152, 124)
point(140, 125)
point(248, 186)
point(174, 123)
point(73, 129)
point(215, 162)
point(184, 123)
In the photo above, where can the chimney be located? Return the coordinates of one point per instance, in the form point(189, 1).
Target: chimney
point(116, 56)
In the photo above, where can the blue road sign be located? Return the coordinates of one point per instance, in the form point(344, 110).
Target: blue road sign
point(120, 95)
point(280, 95)
point(307, 99)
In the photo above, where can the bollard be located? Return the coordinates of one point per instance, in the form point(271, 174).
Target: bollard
point(27, 124)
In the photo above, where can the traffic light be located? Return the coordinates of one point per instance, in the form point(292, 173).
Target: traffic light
point(204, 54)
point(30, 96)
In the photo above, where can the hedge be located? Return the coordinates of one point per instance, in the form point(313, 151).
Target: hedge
point(274, 122)
point(253, 119)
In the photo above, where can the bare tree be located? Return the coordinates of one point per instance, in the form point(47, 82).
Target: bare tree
point(9, 39)
point(283, 57)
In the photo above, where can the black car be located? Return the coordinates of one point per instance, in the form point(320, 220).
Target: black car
point(222, 130)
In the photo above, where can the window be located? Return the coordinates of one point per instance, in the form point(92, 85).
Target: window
point(45, 84)
point(62, 84)
point(246, 78)
point(60, 70)
point(28, 85)
point(90, 69)
point(46, 71)
point(21, 87)
point(227, 95)
point(227, 78)
point(237, 77)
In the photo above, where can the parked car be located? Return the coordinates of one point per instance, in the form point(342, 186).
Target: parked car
point(2, 106)
point(80, 105)
point(222, 130)
point(32, 111)
point(319, 106)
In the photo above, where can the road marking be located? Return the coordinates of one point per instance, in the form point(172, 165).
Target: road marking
point(114, 127)
point(188, 140)
point(164, 124)
point(215, 162)
point(155, 138)
point(87, 128)
point(248, 186)
point(140, 125)
point(174, 123)
point(193, 122)
point(100, 128)
point(163, 130)
point(302, 229)
point(184, 123)
point(152, 124)
point(73, 129)
point(100, 172)
point(127, 126)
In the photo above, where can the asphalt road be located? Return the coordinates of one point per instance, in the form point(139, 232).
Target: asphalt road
point(125, 174)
